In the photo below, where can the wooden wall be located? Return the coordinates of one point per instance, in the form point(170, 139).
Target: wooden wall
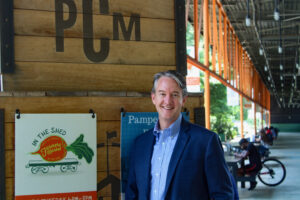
point(73, 46)
point(108, 120)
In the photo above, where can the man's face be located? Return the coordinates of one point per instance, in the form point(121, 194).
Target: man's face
point(244, 146)
point(168, 101)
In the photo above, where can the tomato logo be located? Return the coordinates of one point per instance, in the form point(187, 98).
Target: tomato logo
point(52, 149)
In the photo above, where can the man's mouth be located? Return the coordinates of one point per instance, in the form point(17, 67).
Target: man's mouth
point(167, 108)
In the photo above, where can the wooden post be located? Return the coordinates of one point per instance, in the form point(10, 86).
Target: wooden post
point(225, 50)
point(236, 63)
point(196, 31)
point(206, 63)
point(207, 100)
point(255, 130)
point(269, 118)
point(268, 105)
point(2, 157)
point(262, 117)
point(220, 49)
point(215, 37)
point(242, 116)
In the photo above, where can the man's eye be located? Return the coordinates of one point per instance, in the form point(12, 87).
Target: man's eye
point(162, 94)
point(175, 95)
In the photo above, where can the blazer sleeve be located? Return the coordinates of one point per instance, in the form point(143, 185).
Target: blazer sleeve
point(216, 170)
point(131, 188)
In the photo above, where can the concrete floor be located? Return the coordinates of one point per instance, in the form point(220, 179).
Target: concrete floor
point(287, 149)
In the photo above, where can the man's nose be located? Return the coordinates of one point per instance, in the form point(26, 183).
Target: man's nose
point(168, 99)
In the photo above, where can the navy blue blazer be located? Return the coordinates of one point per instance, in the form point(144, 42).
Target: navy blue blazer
point(197, 168)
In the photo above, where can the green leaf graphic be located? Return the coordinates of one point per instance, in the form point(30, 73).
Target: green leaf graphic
point(81, 149)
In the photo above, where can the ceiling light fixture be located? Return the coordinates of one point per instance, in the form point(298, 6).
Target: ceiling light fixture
point(281, 67)
point(281, 78)
point(261, 51)
point(276, 12)
point(280, 40)
point(248, 20)
point(266, 68)
point(297, 58)
point(269, 78)
point(280, 48)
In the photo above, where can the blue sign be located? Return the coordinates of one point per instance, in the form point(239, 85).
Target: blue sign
point(134, 124)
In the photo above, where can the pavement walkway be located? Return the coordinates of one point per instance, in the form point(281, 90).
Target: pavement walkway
point(286, 149)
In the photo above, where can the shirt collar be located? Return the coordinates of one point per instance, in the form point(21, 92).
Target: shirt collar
point(171, 131)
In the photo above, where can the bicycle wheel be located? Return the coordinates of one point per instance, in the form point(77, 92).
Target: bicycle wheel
point(272, 173)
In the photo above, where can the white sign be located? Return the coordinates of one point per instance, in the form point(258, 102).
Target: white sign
point(193, 79)
point(232, 97)
point(55, 156)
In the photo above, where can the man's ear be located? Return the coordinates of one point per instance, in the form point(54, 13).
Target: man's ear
point(153, 97)
point(184, 100)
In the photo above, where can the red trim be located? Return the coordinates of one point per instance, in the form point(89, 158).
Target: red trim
point(250, 168)
point(90, 195)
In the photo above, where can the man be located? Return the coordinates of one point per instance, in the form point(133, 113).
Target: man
point(264, 146)
point(254, 165)
point(176, 159)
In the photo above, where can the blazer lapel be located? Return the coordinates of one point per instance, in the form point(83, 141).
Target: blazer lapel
point(145, 153)
point(182, 140)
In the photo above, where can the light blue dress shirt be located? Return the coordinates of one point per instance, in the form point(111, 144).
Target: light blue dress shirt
point(162, 152)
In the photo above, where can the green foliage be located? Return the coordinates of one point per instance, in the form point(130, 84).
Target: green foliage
point(81, 149)
point(222, 115)
point(218, 99)
point(190, 42)
point(224, 126)
point(190, 35)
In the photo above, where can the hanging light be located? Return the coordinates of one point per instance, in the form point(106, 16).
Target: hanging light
point(261, 51)
point(280, 41)
point(266, 68)
point(269, 78)
point(280, 49)
point(281, 67)
point(282, 85)
point(295, 77)
point(297, 65)
point(276, 12)
point(248, 20)
point(281, 78)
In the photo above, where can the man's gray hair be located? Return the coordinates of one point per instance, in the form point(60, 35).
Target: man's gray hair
point(180, 80)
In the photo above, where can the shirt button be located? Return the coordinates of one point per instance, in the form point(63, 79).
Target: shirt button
point(159, 158)
point(163, 143)
point(157, 174)
point(155, 191)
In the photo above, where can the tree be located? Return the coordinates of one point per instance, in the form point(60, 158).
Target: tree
point(221, 115)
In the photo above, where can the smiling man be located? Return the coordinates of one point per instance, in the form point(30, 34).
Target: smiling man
point(176, 159)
